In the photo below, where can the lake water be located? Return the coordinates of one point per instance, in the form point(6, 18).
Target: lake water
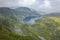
point(31, 19)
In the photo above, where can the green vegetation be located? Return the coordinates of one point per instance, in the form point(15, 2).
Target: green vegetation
point(7, 31)
point(13, 28)
point(46, 28)
point(49, 27)
point(5, 35)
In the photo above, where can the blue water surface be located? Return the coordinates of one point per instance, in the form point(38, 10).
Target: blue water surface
point(31, 19)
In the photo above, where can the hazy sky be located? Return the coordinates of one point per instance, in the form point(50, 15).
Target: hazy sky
point(42, 5)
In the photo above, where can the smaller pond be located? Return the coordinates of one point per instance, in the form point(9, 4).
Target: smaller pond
point(31, 19)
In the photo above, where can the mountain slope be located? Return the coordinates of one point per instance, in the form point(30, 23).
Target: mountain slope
point(20, 13)
point(7, 29)
point(9, 21)
point(24, 11)
point(46, 28)
point(5, 35)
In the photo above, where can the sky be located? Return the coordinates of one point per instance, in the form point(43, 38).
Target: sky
point(40, 5)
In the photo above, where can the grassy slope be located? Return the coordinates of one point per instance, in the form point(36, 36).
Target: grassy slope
point(7, 24)
point(5, 35)
point(57, 20)
point(45, 28)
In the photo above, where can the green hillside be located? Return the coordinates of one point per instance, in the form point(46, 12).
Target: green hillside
point(7, 29)
point(5, 35)
point(46, 28)
point(11, 28)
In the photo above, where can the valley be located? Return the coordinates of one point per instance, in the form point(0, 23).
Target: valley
point(16, 25)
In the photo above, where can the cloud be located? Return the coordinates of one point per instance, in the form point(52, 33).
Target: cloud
point(46, 4)
point(42, 5)
point(8, 3)
point(27, 2)
point(13, 3)
point(56, 5)
point(49, 6)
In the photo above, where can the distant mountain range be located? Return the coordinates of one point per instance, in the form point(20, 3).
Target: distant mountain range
point(54, 14)
point(20, 13)
point(23, 11)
